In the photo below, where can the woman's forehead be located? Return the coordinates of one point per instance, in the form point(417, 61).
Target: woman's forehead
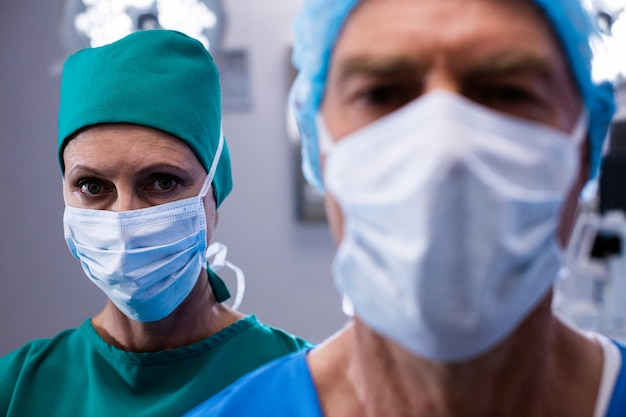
point(128, 144)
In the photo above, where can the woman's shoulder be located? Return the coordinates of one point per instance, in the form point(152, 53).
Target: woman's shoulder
point(36, 357)
point(38, 347)
point(289, 340)
point(250, 331)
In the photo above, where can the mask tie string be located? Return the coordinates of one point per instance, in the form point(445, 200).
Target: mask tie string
point(218, 252)
point(216, 159)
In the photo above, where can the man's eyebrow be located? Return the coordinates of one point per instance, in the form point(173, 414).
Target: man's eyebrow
point(513, 62)
point(508, 62)
point(377, 67)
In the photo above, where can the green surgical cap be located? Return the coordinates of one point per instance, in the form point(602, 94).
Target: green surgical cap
point(157, 78)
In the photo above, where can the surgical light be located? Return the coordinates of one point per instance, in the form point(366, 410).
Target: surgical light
point(610, 53)
point(91, 23)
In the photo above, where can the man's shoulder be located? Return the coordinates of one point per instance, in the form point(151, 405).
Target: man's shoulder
point(281, 388)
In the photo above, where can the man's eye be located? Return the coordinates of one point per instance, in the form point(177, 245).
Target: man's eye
point(506, 95)
point(521, 99)
point(385, 96)
point(380, 95)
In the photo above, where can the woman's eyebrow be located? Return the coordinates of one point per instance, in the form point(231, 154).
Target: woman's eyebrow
point(81, 169)
point(162, 166)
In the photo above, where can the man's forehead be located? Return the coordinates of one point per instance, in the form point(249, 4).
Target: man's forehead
point(380, 32)
point(435, 13)
point(479, 11)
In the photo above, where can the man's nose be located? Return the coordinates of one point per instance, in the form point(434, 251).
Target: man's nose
point(441, 79)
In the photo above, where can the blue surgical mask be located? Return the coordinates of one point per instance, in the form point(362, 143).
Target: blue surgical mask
point(450, 218)
point(146, 261)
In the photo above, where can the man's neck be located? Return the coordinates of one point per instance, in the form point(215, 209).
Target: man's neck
point(543, 369)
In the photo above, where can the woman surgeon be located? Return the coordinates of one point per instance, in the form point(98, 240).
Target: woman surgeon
point(145, 167)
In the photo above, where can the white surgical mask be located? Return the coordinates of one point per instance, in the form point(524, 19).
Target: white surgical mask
point(146, 261)
point(450, 218)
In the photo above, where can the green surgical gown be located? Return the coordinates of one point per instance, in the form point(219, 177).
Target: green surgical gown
point(77, 373)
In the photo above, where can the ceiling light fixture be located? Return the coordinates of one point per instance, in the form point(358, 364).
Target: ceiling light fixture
point(610, 52)
point(91, 23)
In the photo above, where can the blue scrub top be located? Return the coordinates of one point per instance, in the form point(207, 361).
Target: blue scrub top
point(285, 388)
point(617, 406)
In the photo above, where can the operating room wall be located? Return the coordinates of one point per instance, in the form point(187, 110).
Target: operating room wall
point(42, 287)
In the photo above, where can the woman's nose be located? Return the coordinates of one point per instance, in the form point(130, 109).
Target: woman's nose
point(127, 200)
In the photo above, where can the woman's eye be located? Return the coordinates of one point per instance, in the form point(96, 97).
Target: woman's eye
point(164, 183)
point(91, 188)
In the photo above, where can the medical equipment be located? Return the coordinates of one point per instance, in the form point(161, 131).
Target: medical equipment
point(591, 293)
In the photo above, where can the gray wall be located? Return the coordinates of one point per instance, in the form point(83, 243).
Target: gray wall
point(42, 287)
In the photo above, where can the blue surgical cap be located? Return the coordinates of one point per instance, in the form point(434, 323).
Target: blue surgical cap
point(319, 22)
